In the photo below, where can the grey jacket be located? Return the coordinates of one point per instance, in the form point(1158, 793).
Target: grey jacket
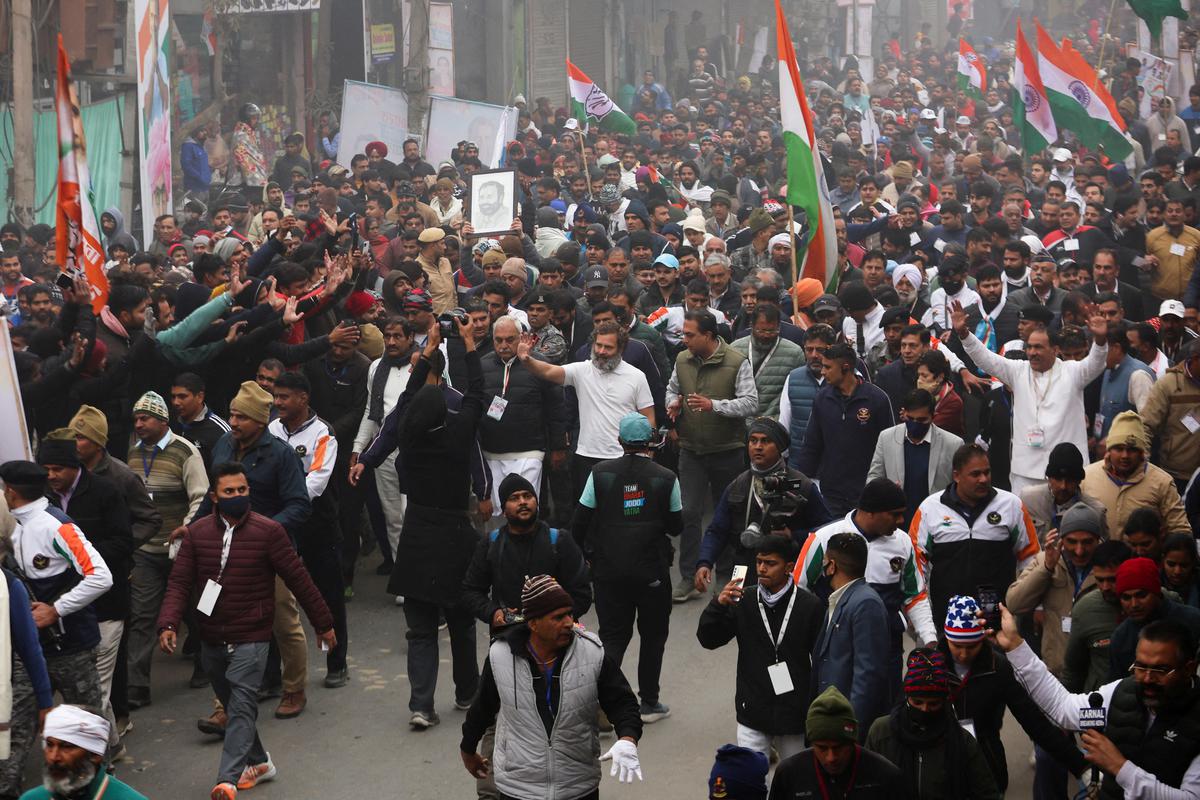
point(527, 764)
point(888, 461)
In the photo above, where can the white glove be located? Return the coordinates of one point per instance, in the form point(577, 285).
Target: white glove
point(625, 763)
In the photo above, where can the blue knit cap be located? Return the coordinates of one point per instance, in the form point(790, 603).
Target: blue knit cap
point(962, 620)
point(738, 774)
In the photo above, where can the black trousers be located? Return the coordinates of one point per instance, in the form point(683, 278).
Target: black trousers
point(322, 558)
point(618, 604)
point(581, 469)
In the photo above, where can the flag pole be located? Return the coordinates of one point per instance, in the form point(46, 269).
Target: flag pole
point(1112, 9)
point(795, 253)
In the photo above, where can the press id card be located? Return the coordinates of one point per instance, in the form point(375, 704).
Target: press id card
point(496, 409)
point(208, 598)
point(1036, 437)
point(781, 678)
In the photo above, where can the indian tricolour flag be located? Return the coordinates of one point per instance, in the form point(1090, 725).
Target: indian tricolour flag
point(1031, 109)
point(805, 175)
point(1079, 101)
point(588, 101)
point(972, 76)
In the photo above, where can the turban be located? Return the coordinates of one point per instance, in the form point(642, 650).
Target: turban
point(73, 725)
point(907, 271)
point(780, 238)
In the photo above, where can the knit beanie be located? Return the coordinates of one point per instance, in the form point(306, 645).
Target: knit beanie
point(902, 169)
point(738, 773)
point(225, 248)
point(359, 303)
point(881, 495)
point(758, 220)
point(493, 257)
point(152, 403)
point(831, 718)
point(962, 620)
point(1138, 573)
point(1081, 517)
point(1065, 462)
point(772, 430)
point(512, 483)
point(59, 452)
point(516, 268)
point(370, 342)
point(542, 595)
point(252, 401)
point(1128, 429)
point(927, 673)
point(90, 423)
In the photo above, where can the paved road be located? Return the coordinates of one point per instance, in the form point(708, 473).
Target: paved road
point(358, 737)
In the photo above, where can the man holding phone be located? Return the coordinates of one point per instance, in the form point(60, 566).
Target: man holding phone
point(773, 672)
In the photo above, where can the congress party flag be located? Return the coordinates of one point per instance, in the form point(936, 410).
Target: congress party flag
point(588, 101)
point(972, 76)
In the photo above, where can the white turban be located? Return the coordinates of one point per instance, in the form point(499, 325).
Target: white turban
point(780, 238)
point(73, 725)
point(1035, 244)
point(907, 271)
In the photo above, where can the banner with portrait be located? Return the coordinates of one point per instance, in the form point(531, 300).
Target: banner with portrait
point(372, 113)
point(153, 21)
point(452, 120)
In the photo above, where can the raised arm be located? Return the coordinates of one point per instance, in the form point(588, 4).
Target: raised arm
point(541, 369)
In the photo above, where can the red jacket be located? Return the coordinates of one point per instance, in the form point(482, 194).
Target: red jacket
point(245, 610)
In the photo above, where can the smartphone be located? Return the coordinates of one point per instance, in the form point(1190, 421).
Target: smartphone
point(64, 281)
point(739, 574)
point(989, 603)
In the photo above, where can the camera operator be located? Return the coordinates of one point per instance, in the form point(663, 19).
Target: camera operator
point(1153, 714)
point(768, 498)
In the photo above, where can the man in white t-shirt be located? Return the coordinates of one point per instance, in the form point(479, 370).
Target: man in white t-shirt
point(607, 389)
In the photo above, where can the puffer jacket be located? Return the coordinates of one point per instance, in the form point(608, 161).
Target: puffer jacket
point(245, 609)
point(534, 417)
point(1173, 397)
point(772, 374)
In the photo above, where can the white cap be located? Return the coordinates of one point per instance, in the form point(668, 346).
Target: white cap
point(963, 120)
point(1172, 308)
point(939, 131)
point(928, 113)
point(571, 124)
point(519, 100)
point(1062, 154)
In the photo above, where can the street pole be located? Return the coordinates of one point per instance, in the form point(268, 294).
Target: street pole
point(24, 174)
point(417, 83)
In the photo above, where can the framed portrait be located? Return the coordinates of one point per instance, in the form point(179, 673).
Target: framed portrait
point(493, 205)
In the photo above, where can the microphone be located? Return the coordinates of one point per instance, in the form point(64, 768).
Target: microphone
point(1093, 718)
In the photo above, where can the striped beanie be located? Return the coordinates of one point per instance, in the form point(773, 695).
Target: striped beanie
point(927, 673)
point(962, 620)
point(541, 595)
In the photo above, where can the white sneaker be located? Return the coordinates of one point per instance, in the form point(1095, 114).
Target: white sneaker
point(254, 774)
point(399, 600)
point(421, 720)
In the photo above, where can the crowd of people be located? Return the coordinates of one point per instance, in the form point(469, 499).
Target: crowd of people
point(978, 434)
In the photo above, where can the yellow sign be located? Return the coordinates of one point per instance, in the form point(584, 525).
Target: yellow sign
point(383, 42)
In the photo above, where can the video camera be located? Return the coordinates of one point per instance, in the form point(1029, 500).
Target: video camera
point(448, 322)
point(781, 498)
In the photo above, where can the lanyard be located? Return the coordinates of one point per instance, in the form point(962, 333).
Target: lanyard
point(103, 788)
point(507, 370)
point(547, 671)
point(766, 358)
point(778, 640)
point(147, 467)
point(1040, 397)
point(226, 545)
point(821, 775)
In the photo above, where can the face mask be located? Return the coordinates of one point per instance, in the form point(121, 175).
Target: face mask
point(234, 507)
point(916, 430)
point(924, 719)
point(952, 287)
point(930, 386)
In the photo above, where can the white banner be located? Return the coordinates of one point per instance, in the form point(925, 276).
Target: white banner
point(14, 436)
point(153, 20)
point(372, 113)
point(452, 120)
point(259, 6)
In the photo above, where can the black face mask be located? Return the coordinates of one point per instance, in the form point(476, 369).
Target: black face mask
point(234, 507)
point(951, 287)
point(924, 719)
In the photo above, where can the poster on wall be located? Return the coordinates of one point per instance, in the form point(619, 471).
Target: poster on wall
point(452, 120)
point(441, 72)
point(154, 109)
point(258, 6)
point(14, 435)
point(441, 26)
point(372, 113)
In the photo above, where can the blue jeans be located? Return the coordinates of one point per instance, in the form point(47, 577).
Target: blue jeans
point(236, 670)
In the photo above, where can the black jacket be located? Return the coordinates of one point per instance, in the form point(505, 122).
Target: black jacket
point(502, 560)
point(339, 395)
point(534, 419)
point(101, 512)
point(990, 688)
point(756, 703)
point(875, 778)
